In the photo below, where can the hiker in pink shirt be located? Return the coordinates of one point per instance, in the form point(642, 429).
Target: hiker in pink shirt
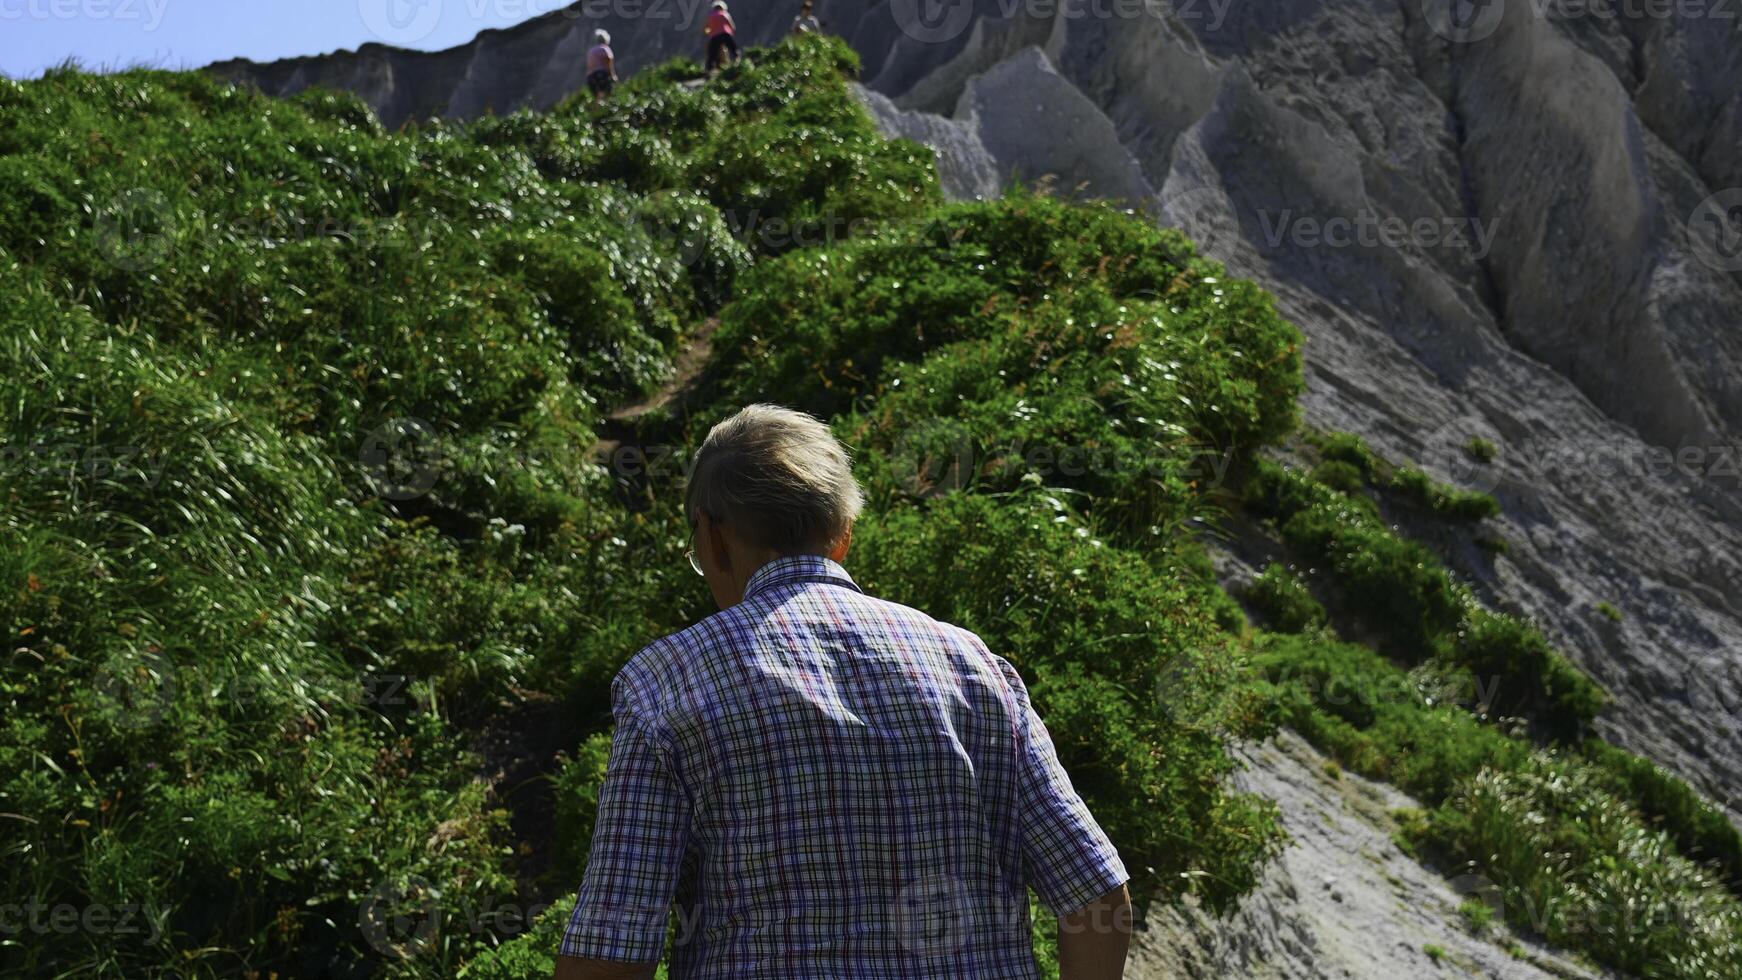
point(601, 67)
point(722, 42)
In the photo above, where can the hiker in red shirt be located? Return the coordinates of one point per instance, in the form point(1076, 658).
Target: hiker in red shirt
point(722, 44)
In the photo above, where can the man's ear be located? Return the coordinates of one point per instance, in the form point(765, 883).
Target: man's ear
point(717, 542)
point(839, 554)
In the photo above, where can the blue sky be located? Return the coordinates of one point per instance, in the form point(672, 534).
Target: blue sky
point(35, 34)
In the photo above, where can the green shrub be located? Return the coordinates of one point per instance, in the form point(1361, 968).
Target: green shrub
point(1526, 676)
point(1654, 913)
point(1395, 584)
point(1284, 601)
point(1340, 476)
point(1446, 502)
point(1349, 449)
point(1478, 915)
point(1701, 831)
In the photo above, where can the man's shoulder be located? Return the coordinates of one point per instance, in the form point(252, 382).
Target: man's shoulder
point(682, 661)
point(706, 655)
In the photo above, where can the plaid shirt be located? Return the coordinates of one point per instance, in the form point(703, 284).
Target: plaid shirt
point(830, 785)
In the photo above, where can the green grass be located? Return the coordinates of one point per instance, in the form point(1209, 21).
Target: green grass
point(245, 689)
point(1284, 601)
point(1481, 450)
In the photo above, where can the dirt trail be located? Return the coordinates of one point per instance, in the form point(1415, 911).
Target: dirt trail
point(685, 371)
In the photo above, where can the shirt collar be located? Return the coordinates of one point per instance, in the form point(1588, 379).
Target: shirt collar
point(794, 569)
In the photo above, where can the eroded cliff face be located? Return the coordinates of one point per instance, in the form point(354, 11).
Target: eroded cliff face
point(1523, 224)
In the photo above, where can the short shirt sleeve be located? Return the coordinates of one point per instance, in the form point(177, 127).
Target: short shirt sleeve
point(639, 838)
point(1067, 858)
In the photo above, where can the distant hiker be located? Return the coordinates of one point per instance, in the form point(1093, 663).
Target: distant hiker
point(722, 40)
point(825, 783)
point(601, 67)
point(806, 23)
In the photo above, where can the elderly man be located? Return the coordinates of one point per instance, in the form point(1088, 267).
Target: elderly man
point(827, 784)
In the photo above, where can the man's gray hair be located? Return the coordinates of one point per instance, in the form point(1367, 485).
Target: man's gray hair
point(779, 478)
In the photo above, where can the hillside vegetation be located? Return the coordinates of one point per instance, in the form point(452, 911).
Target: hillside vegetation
point(321, 540)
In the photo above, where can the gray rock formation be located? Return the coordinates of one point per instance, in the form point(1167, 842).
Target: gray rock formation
point(1526, 229)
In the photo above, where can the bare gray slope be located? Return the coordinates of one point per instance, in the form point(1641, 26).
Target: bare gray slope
point(1342, 901)
point(1545, 291)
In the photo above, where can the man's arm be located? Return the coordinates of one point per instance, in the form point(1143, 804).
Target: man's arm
point(1094, 940)
point(618, 928)
point(1066, 857)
